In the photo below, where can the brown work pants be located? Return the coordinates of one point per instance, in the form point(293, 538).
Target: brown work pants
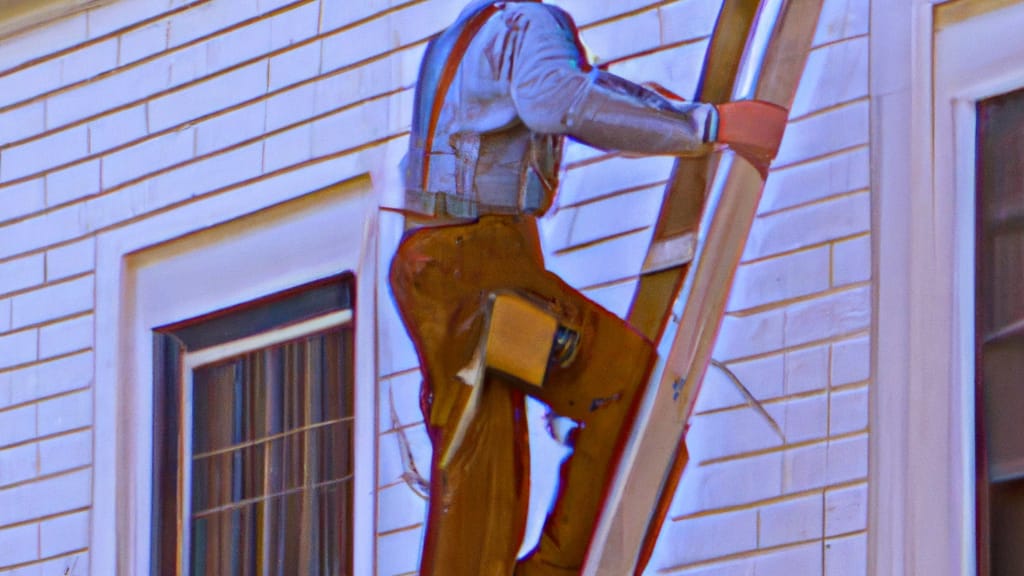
point(441, 278)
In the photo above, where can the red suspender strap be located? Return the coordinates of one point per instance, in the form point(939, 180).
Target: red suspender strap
point(451, 66)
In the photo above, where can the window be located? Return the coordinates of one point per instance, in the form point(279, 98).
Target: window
point(253, 437)
point(927, 78)
point(1000, 322)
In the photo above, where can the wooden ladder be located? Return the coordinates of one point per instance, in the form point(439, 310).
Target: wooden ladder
point(758, 50)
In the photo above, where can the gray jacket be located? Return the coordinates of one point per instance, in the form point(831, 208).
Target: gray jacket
point(521, 85)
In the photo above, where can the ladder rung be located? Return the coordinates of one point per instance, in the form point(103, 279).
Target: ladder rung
point(670, 252)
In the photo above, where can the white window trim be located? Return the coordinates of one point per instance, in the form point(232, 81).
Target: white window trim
point(146, 277)
point(925, 84)
point(274, 337)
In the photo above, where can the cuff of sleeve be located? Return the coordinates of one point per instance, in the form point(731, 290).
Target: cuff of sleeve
point(711, 125)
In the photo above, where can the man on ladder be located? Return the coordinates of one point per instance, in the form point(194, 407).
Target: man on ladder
point(498, 92)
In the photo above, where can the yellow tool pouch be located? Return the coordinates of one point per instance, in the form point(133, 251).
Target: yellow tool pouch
point(520, 337)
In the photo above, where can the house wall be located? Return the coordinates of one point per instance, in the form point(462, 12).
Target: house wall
point(137, 110)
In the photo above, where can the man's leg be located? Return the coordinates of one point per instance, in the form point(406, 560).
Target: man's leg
point(477, 511)
point(478, 501)
point(598, 390)
point(460, 267)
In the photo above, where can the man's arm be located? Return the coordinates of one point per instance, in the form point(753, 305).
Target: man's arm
point(555, 90)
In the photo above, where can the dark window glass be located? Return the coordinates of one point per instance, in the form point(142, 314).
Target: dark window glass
point(1000, 323)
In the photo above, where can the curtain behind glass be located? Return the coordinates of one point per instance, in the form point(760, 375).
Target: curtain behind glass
point(272, 461)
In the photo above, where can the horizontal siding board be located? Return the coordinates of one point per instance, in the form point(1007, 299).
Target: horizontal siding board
point(36, 156)
point(218, 52)
point(86, 63)
point(118, 128)
point(59, 565)
point(22, 273)
point(65, 337)
point(28, 82)
point(65, 452)
point(54, 495)
point(126, 15)
point(672, 67)
point(18, 464)
point(37, 43)
point(53, 301)
point(624, 255)
point(64, 413)
point(127, 86)
point(842, 19)
point(22, 122)
point(834, 74)
point(21, 199)
point(587, 12)
point(239, 125)
point(613, 175)
point(688, 20)
point(142, 43)
point(18, 348)
point(779, 279)
point(73, 183)
point(149, 156)
point(701, 539)
point(64, 534)
point(827, 133)
point(809, 182)
point(623, 37)
point(294, 66)
point(17, 425)
point(809, 225)
point(199, 99)
point(207, 18)
point(19, 543)
point(43, 380)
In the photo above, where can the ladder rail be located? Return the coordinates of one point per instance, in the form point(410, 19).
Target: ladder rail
point(770, 69)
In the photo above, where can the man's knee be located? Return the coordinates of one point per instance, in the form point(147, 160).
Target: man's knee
point(406, 265)
point(401, 264)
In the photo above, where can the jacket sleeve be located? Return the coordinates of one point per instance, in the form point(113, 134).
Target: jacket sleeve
point(556, 91)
